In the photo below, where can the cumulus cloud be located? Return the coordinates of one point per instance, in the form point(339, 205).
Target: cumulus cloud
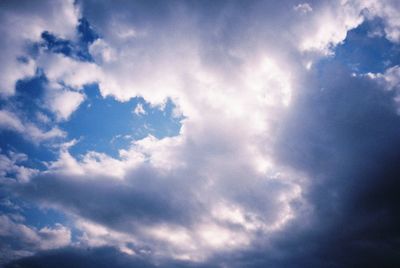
point(23, 23)
point(154, 194)
point(274, 157)
point(387, 10)
point(26, 240)
point(64, 70)
point(64, 102)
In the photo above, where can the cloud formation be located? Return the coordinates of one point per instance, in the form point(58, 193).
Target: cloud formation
point(285, 157)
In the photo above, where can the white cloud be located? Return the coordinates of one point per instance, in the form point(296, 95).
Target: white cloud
point(388, 11)
point(64, 102)
point(64, 70)
point(392, 77)
point(59, 17)
point(139, 110)
point(188, 167)
point(26, 240)
point(330, 23)
point(101, 51)
point(328, 26)
point(11, 164)
point(11, 121)
point(303, 7)
point(41, 117)
point(37, 135)
point(54, 237)
point(390, 80)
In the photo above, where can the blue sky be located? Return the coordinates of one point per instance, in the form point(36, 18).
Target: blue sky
point(199, 133)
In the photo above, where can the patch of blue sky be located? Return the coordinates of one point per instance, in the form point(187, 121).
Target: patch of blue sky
point(37, 154)
point(42, 217)
point(29, 213)
point(366, 49)
point(86, 32)
point(107, 125)
point(28, 96)
point(28, 103)
point(100, 124)
point(79, 49)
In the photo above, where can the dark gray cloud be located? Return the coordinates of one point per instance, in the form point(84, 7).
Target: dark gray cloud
point(93, 257)
point(144, 197)
point(343, 133)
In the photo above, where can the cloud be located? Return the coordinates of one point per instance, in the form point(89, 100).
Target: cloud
point(209, 157)
point(102, 52)
point(156, 190)
point(277, 162)
point(387, 11)
point(341, 133)
point(64, 102)
point(97, 257)
point(389, 80)
point(10, 121)
point(25, 239)
point(139, 110)
point(11, 164)
point(304, 8)
point(64, 70)
point(329, 27)
point(22, 24)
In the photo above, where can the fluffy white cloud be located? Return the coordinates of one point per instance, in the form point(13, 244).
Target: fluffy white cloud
point(63, 101)
point(64, 70)
point(181, 196)
point(388, 12)
point(328, 26)
point(23, 23)
point(101, 51)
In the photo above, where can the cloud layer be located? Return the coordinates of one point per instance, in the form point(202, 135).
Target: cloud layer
point(286, 155)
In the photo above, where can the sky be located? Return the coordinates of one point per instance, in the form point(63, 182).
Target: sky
point(199, 133)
